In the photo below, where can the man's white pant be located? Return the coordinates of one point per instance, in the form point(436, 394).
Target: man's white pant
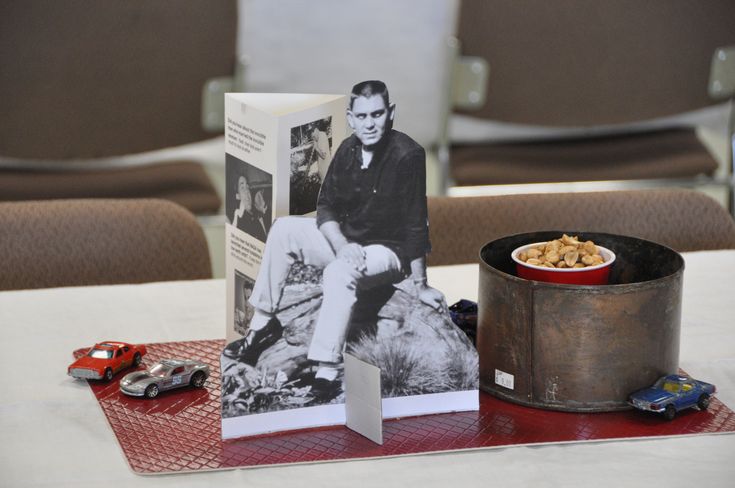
point(294, 239)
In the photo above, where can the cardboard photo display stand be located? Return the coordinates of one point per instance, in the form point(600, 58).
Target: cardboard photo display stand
point(330, 320)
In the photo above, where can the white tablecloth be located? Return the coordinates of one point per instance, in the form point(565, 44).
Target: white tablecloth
point(52, 432)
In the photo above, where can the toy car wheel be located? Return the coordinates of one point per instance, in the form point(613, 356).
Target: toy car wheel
point(670, 412)
point(703, 402)
point(108, 375)
point(151, 391)
point(197, 381)
point(136, 360)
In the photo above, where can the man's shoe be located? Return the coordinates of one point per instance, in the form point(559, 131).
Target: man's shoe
point(234, 349)
point(249, 348)
point(325, 382)
point(325, 391)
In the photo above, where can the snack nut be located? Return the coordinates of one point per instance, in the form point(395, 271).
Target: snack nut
point(565, 252)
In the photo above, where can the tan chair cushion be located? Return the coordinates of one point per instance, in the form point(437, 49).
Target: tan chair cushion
point(97, 242)
point(185, 183)
point(662, 154)
point(684, 220)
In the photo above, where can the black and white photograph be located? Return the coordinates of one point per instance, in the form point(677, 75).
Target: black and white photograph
point(250, 207)
point(352, 279)
point(243, 309)
point(311, 152)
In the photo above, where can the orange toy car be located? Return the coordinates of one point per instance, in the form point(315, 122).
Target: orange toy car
point(105, 359)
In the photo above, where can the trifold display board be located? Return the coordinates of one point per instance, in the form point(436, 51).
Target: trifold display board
point(272, 170)
point(279, 148)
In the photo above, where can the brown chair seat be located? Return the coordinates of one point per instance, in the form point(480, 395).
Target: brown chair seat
point(684, 220)
point(98, 242)
point(183, 182)
point(652, 155)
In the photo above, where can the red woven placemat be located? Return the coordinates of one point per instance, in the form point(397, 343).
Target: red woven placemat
point(180, 430)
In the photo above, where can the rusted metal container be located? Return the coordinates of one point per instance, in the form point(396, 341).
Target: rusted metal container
point(578, 348)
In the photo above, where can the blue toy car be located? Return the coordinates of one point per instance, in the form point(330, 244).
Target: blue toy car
point(672, 394)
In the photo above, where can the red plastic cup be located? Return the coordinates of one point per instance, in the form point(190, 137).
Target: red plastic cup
point(591, 275)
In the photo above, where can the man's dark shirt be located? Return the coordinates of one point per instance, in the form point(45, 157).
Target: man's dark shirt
point(250, 224)
point(383, 204)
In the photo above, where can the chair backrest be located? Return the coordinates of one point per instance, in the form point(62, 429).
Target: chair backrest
point(684, 220)
point(84, 79)
point(579, 63)
point(55, 243)
point(329, 45)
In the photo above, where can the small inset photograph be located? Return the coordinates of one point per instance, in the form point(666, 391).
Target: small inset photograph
point(249, 205)
point(243, 310)
point(311, 153)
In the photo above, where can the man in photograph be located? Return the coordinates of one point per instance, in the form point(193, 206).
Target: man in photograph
point(321, 151)
point(244, 310)
point(371, 229)
point(249, 213)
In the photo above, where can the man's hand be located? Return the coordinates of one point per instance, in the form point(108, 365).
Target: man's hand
point(427, 295)
point(354, 254)
point(259, 203)
point(432, 297)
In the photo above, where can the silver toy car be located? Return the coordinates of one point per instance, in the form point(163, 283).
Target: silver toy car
point(165, 375)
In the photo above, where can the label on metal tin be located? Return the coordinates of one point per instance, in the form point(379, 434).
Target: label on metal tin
point(504, 379)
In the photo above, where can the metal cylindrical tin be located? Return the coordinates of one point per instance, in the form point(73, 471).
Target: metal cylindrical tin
point(578, 348)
